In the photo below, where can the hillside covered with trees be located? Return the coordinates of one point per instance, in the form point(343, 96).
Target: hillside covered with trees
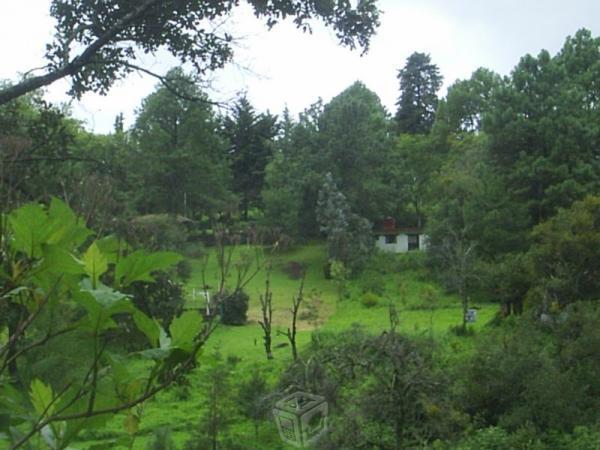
point(163, 285)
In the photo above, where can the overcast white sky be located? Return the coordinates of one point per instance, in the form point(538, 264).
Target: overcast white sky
point(289, 68)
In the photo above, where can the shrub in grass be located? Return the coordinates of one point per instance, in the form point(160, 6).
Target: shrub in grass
point(184, 269)
point(369, 300)
point(233, 307)
point(373, 281)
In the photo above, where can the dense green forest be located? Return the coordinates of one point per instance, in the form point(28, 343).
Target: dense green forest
point(164, 285)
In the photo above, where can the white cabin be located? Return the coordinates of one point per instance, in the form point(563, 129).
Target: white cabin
point(390, 238)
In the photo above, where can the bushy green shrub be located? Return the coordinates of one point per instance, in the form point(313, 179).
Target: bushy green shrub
point(184, 269)
point(156, 232)
point(542, 373)
point(369, 299)
point(233, 307)
point(386, 390)
point(162, 299)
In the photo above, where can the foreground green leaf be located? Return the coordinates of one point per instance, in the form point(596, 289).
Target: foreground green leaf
point(139, 265)
point(184, 329)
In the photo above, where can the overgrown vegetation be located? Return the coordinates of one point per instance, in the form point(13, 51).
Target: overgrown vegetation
point(104, 329)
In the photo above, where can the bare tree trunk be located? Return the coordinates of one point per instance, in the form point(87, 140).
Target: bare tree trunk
point(224, 255)
point(296, 302)
point(458, 255)
point(266, 306)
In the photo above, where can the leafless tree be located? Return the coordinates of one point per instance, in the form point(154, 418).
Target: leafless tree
point(457, 253)
point(266, 307)
point(291, 332)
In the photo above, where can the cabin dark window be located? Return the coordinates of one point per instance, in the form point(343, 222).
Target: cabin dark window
point(413, 242)
point(390, 238)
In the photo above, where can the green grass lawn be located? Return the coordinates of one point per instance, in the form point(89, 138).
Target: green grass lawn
point(405, 289)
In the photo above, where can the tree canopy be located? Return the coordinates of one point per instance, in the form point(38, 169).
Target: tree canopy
point(544, 126)
point(96, 44)
point(181, 164)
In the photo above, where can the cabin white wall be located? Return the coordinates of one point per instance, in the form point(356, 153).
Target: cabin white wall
point(400, 246)
point(423, 242)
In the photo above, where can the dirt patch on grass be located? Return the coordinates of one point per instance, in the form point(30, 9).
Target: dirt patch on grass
point(294, 269)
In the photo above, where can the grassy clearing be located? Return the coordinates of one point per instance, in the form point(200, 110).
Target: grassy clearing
point(180, 408)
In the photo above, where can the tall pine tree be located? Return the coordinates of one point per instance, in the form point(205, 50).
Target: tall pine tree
point(251, 148)
point(420, 80)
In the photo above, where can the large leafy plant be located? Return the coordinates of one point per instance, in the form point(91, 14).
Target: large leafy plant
point(59, 373)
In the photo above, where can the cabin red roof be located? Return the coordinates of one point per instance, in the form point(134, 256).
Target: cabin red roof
point(388, 227)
